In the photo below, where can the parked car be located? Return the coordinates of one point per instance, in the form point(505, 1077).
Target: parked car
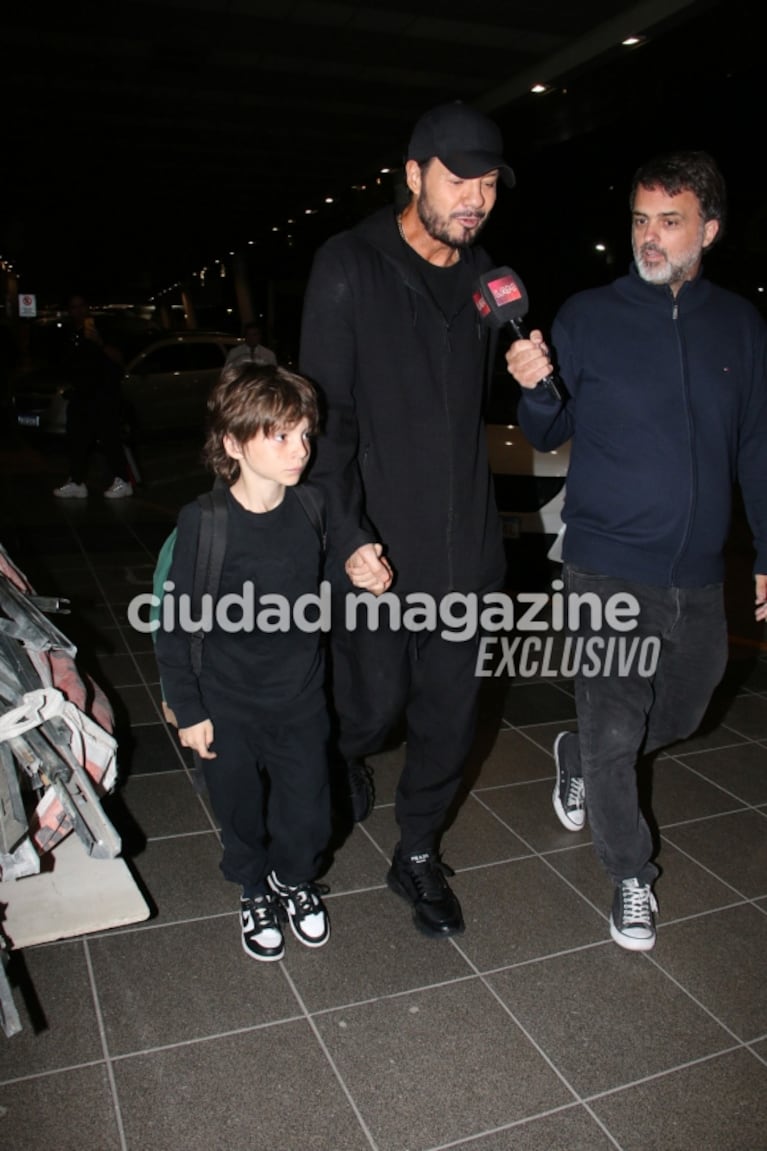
point(529, 488)
point(164, 387)
point(36, 389)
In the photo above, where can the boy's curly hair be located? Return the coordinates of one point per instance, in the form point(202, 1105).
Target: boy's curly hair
point(251, 398)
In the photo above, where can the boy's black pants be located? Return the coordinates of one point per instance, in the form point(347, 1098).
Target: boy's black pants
point(270, 792)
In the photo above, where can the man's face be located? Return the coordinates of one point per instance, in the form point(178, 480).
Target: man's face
point(453, 211)
point(668, 235)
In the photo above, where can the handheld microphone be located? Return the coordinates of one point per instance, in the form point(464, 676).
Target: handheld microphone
point(501, 298)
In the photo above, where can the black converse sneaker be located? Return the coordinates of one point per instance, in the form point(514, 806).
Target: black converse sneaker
point(306, 912)
point(631, 918)
point(261, 931)
point(569, 793)
point(420, 879)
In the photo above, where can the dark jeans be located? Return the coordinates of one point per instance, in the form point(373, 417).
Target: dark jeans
point(270, 791)
point(621, 717)
point(380, 675)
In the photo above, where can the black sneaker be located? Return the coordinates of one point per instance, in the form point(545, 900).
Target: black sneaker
point(569, 792)
point(261, 931)
point(362, 794)
point(306, 912)
point(420, 879)
point(631, 918)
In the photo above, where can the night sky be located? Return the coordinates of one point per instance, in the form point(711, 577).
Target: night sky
point(89, 222)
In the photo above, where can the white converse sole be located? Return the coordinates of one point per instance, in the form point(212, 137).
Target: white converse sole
point(633, 938)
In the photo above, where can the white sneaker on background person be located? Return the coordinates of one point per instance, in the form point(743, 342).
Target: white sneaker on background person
point(71, 491)
point(118, 489)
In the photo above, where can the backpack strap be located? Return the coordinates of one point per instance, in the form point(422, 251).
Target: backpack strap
point(311, 501)
point(211, 548)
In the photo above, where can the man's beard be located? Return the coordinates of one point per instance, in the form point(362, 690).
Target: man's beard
point(668, 272)
point(438, 227)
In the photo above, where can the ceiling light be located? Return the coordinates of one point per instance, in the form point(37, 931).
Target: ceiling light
point(539, 89)
point(633, 41)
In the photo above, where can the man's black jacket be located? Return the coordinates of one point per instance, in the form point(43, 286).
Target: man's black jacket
point(404, 446)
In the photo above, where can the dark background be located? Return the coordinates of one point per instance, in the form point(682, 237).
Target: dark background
point(145, 142)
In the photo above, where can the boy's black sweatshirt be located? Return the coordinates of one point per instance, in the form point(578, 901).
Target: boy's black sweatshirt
point(248, 672)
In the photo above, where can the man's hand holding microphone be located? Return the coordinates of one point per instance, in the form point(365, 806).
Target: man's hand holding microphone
point(528, 360)
point(500, 297)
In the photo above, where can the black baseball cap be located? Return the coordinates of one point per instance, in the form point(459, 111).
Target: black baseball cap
point(464, 140)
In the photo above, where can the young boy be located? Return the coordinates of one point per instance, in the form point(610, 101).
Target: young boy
point(257, 715)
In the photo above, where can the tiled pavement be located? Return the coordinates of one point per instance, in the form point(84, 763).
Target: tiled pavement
point(531, 1032)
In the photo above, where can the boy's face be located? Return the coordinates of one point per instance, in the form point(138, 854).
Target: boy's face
point(279, 458)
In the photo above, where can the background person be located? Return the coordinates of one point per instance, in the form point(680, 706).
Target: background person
point(93, 370)
point(252, 350)
point(667, 382)
point(391, 335)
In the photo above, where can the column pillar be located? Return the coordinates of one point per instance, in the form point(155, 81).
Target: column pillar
point(190, 313)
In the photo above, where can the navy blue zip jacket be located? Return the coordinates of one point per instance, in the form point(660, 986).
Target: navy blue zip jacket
point(404, 449)
point(667, 408)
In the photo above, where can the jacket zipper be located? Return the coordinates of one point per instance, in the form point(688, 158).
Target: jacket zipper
point(451, 476)
point(691, 442)
point(414, 292)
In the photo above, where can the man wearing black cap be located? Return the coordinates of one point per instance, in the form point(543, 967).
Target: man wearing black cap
point(391, 335)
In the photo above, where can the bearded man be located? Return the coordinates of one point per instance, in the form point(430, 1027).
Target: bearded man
point(392, 337)
point(666, 376)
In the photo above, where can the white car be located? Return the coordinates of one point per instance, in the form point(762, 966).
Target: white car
point(529, 487)
point(164, 386)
